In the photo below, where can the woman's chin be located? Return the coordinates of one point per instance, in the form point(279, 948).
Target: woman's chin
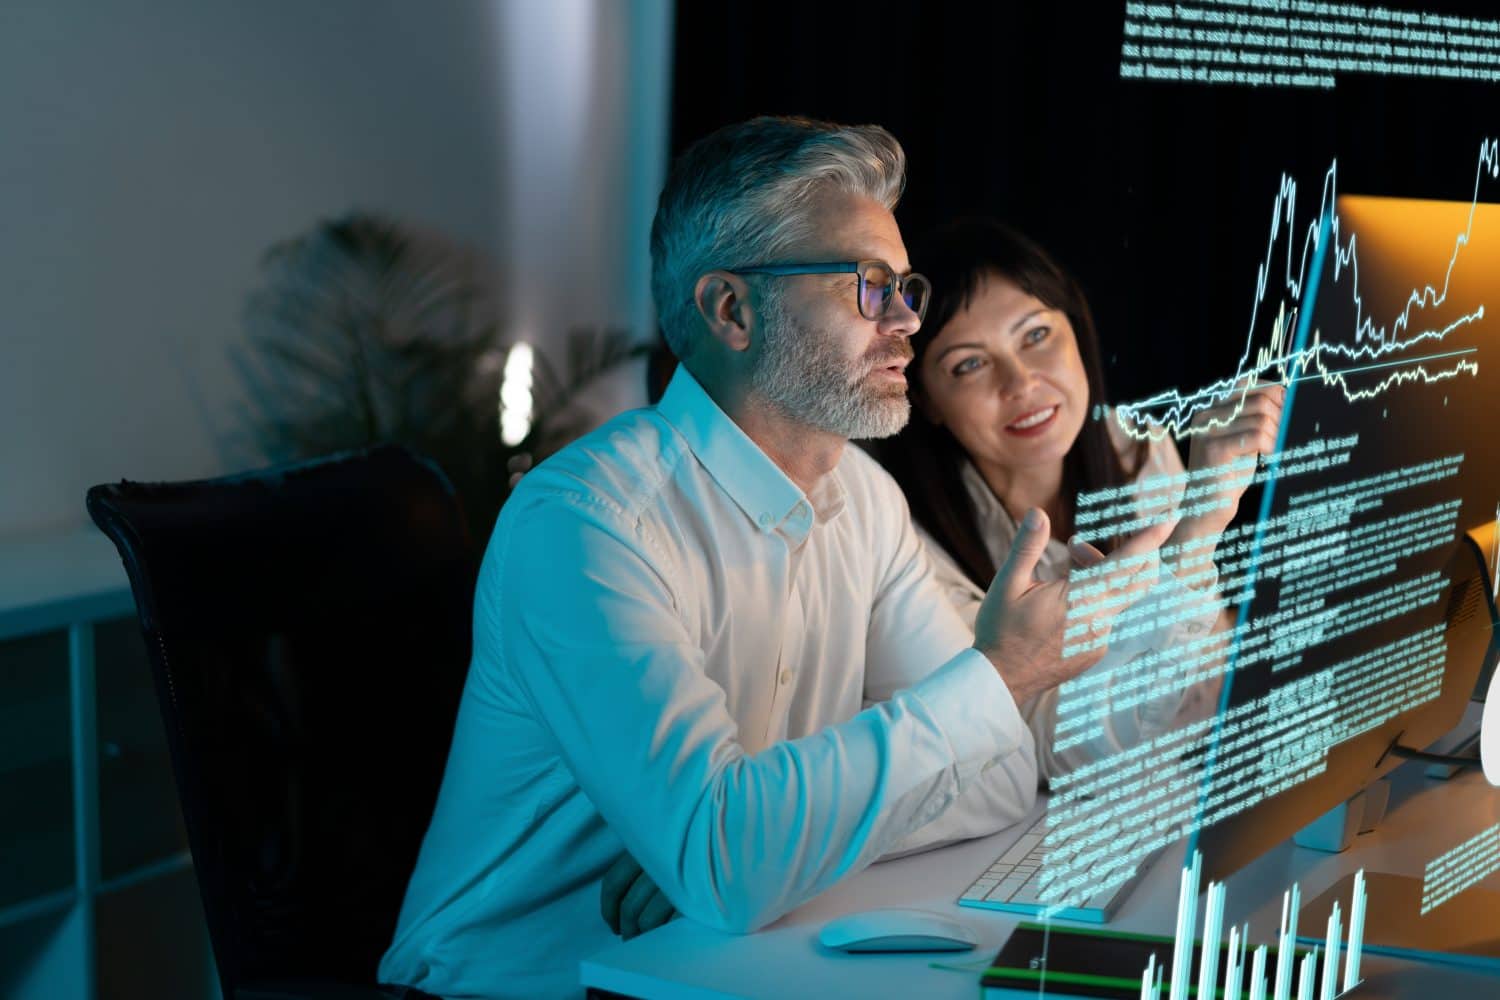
point(1025, 456)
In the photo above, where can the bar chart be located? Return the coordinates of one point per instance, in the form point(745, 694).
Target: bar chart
point(1316, 975)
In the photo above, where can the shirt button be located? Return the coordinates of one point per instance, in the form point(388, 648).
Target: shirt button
point(765, 520)
point(786, 677)
point(800, 510)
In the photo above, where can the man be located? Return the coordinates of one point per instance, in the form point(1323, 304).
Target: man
point(682, 618)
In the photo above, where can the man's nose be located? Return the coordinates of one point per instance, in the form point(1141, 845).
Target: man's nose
point(900, 320)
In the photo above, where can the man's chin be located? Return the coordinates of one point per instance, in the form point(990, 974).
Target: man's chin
point(885, 419)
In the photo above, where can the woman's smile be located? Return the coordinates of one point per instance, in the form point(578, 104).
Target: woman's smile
point(1034, 423)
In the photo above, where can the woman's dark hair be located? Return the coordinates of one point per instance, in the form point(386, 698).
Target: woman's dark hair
point(925, 459)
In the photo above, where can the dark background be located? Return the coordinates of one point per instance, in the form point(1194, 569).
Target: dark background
point(1158, 196)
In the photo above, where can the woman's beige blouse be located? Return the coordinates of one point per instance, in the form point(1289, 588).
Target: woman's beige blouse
point(1123, 728)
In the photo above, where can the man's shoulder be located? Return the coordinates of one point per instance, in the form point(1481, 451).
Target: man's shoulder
point(615, 470)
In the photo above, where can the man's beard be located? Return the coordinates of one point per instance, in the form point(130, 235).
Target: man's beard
point(802, 375)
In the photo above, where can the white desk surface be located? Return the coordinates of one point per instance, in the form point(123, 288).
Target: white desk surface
point(686, 961)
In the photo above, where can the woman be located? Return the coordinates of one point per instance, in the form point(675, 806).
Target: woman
point(1009, 414)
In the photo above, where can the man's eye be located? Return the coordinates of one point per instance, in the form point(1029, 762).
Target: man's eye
point(1037, 334)
point(972, 363)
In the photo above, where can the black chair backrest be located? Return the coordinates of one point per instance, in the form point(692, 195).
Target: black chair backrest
point(309, 631)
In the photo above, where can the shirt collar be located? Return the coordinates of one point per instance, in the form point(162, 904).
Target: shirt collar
point(754, 482)
point(999, 528)
point(986, 504)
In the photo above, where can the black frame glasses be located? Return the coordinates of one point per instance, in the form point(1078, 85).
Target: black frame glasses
point(914, 289)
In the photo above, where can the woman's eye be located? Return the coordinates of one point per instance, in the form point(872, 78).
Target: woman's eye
point(969, 364)
point(1036, 334)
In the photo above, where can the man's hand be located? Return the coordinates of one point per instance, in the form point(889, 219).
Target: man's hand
point(1020, 623)
point(630, 902)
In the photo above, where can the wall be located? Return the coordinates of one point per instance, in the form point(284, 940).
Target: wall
point(148, 155)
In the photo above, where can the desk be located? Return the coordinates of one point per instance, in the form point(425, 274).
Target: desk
point(685, 961)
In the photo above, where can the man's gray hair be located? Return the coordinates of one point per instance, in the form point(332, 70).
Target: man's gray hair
point(742, 196)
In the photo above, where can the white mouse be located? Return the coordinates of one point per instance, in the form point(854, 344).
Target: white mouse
point(896, 930)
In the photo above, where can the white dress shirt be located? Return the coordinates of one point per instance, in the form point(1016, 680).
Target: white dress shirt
point(1121, 729)
point(678, 654)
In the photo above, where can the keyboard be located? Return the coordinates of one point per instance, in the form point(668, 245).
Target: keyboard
point(1010, 883)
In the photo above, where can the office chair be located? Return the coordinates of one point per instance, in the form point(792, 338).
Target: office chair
point(308, 629)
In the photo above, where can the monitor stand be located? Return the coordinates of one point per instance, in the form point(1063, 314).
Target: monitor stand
point(1336, 829)
point(1463, 931)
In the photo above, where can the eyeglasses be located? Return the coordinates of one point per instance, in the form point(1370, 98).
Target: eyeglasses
point(879, 283)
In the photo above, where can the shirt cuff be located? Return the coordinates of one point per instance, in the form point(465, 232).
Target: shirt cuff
point(975, 709)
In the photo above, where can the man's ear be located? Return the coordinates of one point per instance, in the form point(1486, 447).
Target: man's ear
point(723, 303)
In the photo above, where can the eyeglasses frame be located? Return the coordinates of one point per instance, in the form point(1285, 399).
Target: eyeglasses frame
point(857, 268)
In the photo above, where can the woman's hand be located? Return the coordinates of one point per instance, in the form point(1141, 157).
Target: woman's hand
point(1249, 428)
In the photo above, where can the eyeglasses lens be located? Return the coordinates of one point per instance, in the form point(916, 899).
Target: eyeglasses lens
point(875, 291)
point(916, 291)
point(880, 284)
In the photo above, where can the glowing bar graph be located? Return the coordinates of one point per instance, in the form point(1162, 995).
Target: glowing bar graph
point(1356, 932)
point(1232, 970)
point(1213, 920)
point(1291, 902)
point(1187, 919)
point(1258, 975)
point(1307, 972)
point(1330, 955)
point(1315, 980)
point(1148, 980)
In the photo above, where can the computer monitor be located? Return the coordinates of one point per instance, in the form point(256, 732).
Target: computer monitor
point(1359, 601)
point(1399, 518)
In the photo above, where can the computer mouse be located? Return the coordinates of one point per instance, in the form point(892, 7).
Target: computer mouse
point(896, 930)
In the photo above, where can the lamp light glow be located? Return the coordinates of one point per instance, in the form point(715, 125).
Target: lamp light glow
point(515, 395)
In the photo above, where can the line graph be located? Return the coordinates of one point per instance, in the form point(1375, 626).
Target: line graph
point(1409, 369)
point(1274, 362)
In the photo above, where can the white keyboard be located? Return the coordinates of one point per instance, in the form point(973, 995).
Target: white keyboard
point(1010, 883)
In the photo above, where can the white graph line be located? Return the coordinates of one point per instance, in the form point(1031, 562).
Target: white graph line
point(1172, 412)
